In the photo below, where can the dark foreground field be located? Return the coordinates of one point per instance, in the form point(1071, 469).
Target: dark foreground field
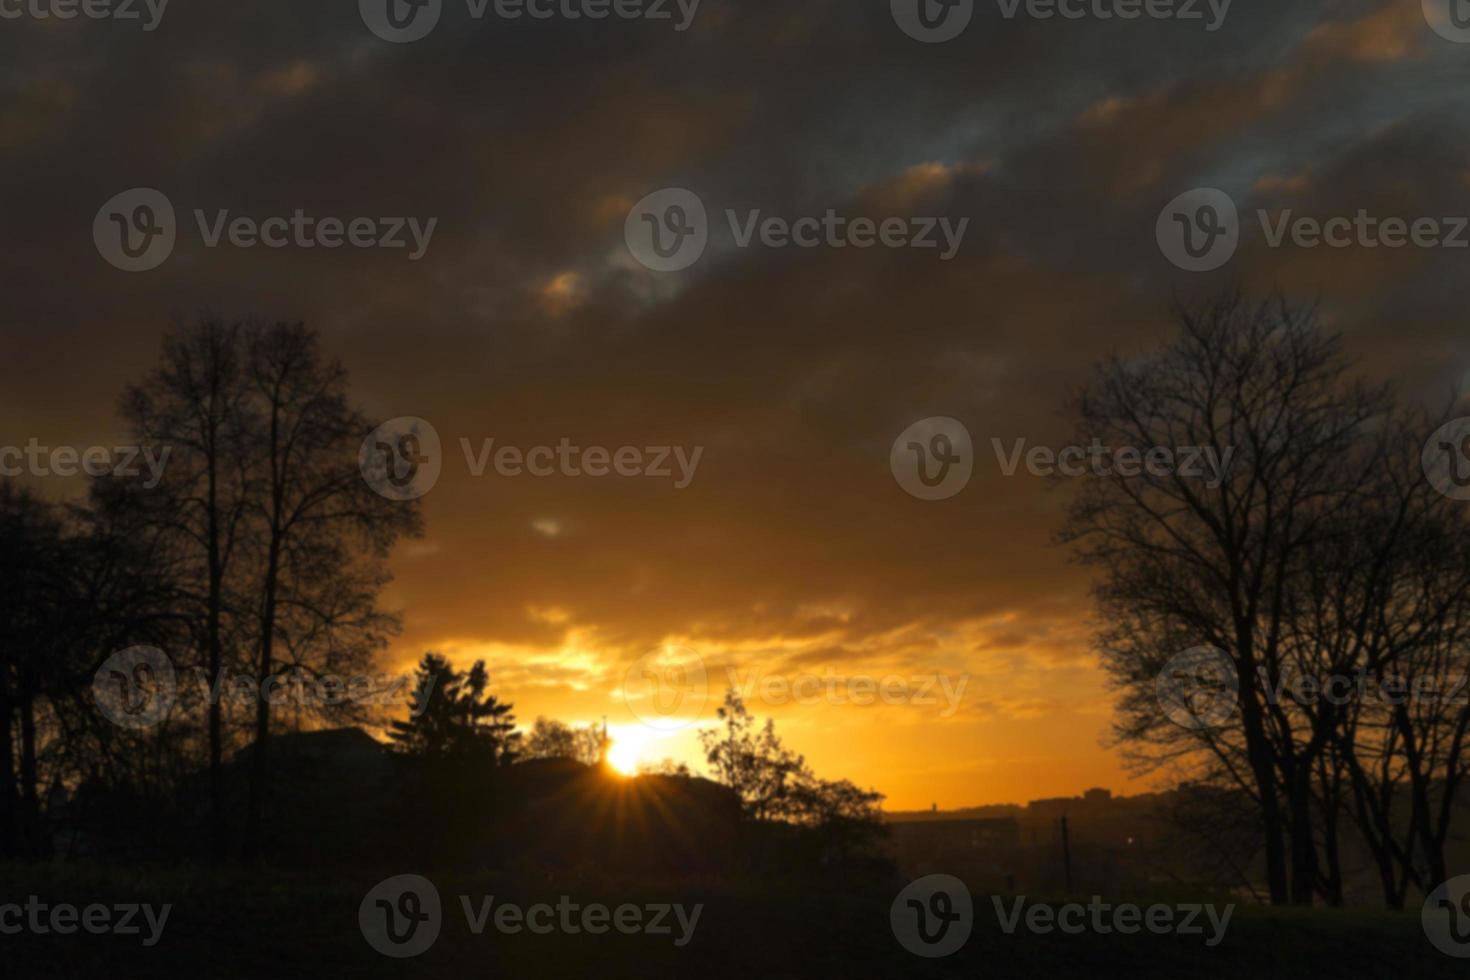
point(276, 925)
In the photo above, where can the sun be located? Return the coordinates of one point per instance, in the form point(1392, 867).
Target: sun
point(626, 751)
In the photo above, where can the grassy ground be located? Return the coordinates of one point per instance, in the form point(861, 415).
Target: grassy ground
point(233, 924)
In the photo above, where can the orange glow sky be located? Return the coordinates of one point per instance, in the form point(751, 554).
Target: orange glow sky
point(793, 552)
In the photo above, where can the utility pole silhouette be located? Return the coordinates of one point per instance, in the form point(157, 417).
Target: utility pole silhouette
point(1066, 855)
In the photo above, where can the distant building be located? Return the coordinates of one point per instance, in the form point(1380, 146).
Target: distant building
point(1051, 808)
point(978, 850)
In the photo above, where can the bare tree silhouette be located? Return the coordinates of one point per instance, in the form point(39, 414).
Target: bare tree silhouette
point(1314, 558)
point(195, 405)
point(321, 532)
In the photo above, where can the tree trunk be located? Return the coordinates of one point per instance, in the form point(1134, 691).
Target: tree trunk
point(1332, 882)
point(1303, 844)
point(263, 668)
point(9, 788)
point(30, 805)
point(217, 841)
point(1421, 808)
point(1430, 843)
point(1264, 770)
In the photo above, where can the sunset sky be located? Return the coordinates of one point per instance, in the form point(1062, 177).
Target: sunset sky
point(793, 551)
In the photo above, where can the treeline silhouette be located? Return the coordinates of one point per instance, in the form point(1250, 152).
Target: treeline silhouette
point(259, 552)
point(256, 563)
